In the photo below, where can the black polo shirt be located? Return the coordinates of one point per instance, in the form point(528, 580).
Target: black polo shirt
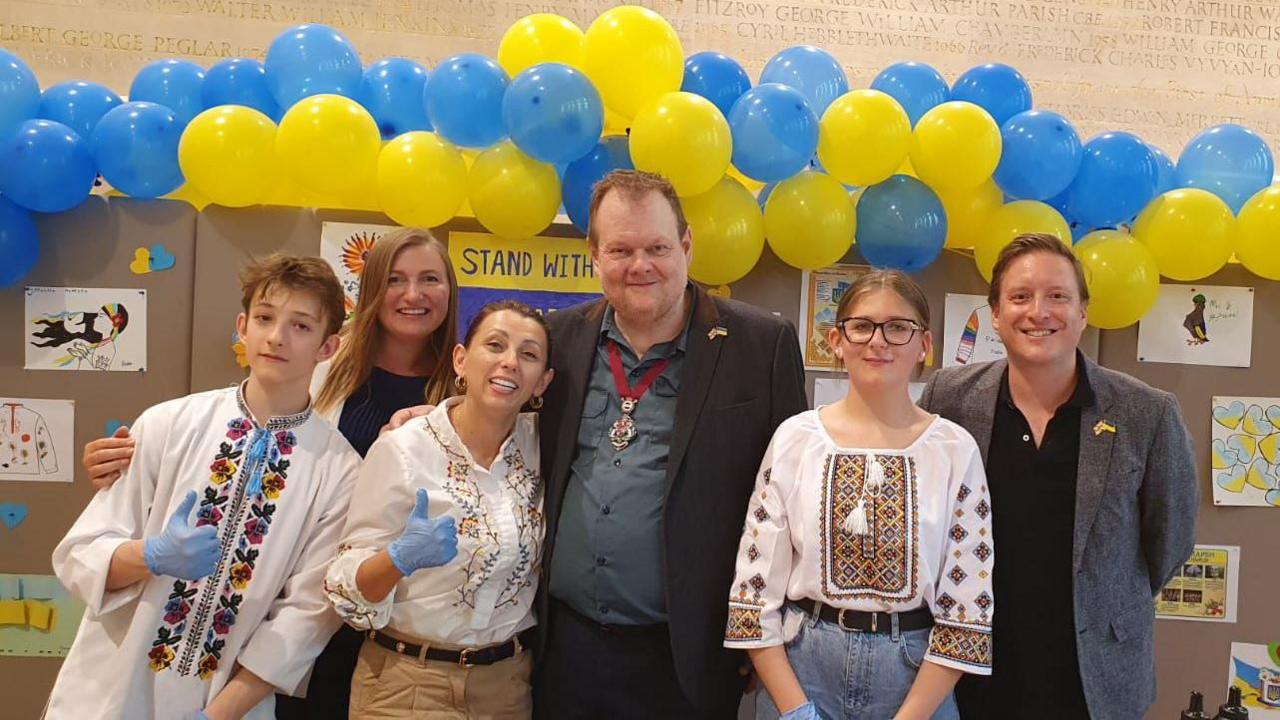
point(1033, 496)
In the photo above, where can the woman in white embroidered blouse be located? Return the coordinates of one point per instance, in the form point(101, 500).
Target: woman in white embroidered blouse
point(446, 593)
point(868, 515)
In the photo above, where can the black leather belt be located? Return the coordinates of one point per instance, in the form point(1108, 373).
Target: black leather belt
point(467, 657)
point(873, 622)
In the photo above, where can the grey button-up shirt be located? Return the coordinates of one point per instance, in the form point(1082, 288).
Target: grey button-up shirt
point(607, 564)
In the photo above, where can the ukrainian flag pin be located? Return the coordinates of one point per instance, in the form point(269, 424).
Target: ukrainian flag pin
point(1103, 426)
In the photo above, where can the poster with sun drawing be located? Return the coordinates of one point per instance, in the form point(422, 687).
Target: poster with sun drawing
point(86, 329)
point(1245, 455)
point(345, 246)
point(1198, 325)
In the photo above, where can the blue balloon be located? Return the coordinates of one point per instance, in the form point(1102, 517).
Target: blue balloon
point(19, 243)
point(765, 192)
point(1117, 178)
point(996, 88)
point(45, 166)
point(775, 133)
point(1040, 155)
point(19, 92)
point(901, 224)
point(1229, 161)
point(77, 104)
point(175, 84)
point(464, 100)
point(136, 147)
point(553, 113)
point(392, 93)
point(312, 59)
point(917, 87)
point(716, 77)
point(1165, 177)
point(580, 177)
point(240, 81)
point(814, 72)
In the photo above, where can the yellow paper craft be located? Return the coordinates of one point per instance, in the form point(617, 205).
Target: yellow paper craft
point(13, 612)
point(40, 614)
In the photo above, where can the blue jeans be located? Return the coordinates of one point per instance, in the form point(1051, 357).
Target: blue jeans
point(855, 675)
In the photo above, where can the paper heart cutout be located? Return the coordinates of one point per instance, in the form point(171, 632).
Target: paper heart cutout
point(1232, 480)
point(1260, 476)
point(1273, 415)
point(1243, 446)
point(1255, 421)
point(1268, 447)
point(12, 514)
point(1222, 457)
point(161, 259)
point(1229, 416)
point(141, 264)
point(113, 425)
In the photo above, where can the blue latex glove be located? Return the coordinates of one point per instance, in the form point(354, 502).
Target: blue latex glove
point(182, 550)
point(199, 716)
point(426, 542)
point(807, 711)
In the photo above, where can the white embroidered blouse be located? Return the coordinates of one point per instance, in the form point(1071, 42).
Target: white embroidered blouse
point(485, 595)
point(886, 530)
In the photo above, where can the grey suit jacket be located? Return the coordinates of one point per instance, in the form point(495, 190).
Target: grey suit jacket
point(1136, 500)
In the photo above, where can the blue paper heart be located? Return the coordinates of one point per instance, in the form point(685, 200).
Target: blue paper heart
point(112, 426)
point(161, 259)
point(12, 514)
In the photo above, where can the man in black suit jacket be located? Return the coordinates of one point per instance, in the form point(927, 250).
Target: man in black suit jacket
point(645, 497)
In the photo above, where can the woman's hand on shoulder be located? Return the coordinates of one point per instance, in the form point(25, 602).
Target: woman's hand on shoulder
point(404, 415)
point(106, 459)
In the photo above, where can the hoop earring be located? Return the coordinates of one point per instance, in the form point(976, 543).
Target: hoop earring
point(460, 383)
point(535, 402)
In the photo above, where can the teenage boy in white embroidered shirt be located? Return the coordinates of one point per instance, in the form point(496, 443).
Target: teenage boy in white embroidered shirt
point(202, 568)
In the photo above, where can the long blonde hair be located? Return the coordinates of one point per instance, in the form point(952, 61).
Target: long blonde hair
point(362, 334)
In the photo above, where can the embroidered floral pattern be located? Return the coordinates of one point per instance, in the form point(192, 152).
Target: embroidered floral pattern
point(957, 574)
point(958, 533)
point(473, 522)
point(882, 563)
point(525, 485)
point(982, 551)
point(761, 514)
point(983, 509)
point(212, 604)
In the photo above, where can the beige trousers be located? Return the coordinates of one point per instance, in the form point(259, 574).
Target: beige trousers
point(388, 686)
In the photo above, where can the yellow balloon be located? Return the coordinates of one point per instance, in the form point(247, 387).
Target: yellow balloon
point(1190, 231)
point(422, 179)
point(1122, 276)
point(809, 220)
point(187, 193)
point(615, 124)
point(228, 155)
point(967, 212)
point(955, 145)
point(539, 38)
point(751, 184)
point(906, 169)
point(512, 194)
point(329, 144)
point(633, 56)
point(863, 137)
point(684, 138)
point(1008, 222)
point(728, 232)
point(1258, 233)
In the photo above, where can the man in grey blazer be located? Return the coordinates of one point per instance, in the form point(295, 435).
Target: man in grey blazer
point(1094, 497)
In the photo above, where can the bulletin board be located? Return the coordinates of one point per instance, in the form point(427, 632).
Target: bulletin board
point(192, 308)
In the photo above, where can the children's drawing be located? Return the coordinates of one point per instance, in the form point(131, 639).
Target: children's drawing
point(38, 617)
point(346, 246)
point(86, 329)
point(36, 439)
point(820, 293)
point(1255, 669)
point(1245, 451)
point(1199, 325)
point(968, 335)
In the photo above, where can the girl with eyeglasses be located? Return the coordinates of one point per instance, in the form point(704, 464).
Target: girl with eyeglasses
point(863, 579)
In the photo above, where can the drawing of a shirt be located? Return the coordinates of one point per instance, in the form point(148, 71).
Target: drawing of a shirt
point(26, 444)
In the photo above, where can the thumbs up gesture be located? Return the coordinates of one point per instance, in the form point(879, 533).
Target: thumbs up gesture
point(426, 542)
point(182, 550)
